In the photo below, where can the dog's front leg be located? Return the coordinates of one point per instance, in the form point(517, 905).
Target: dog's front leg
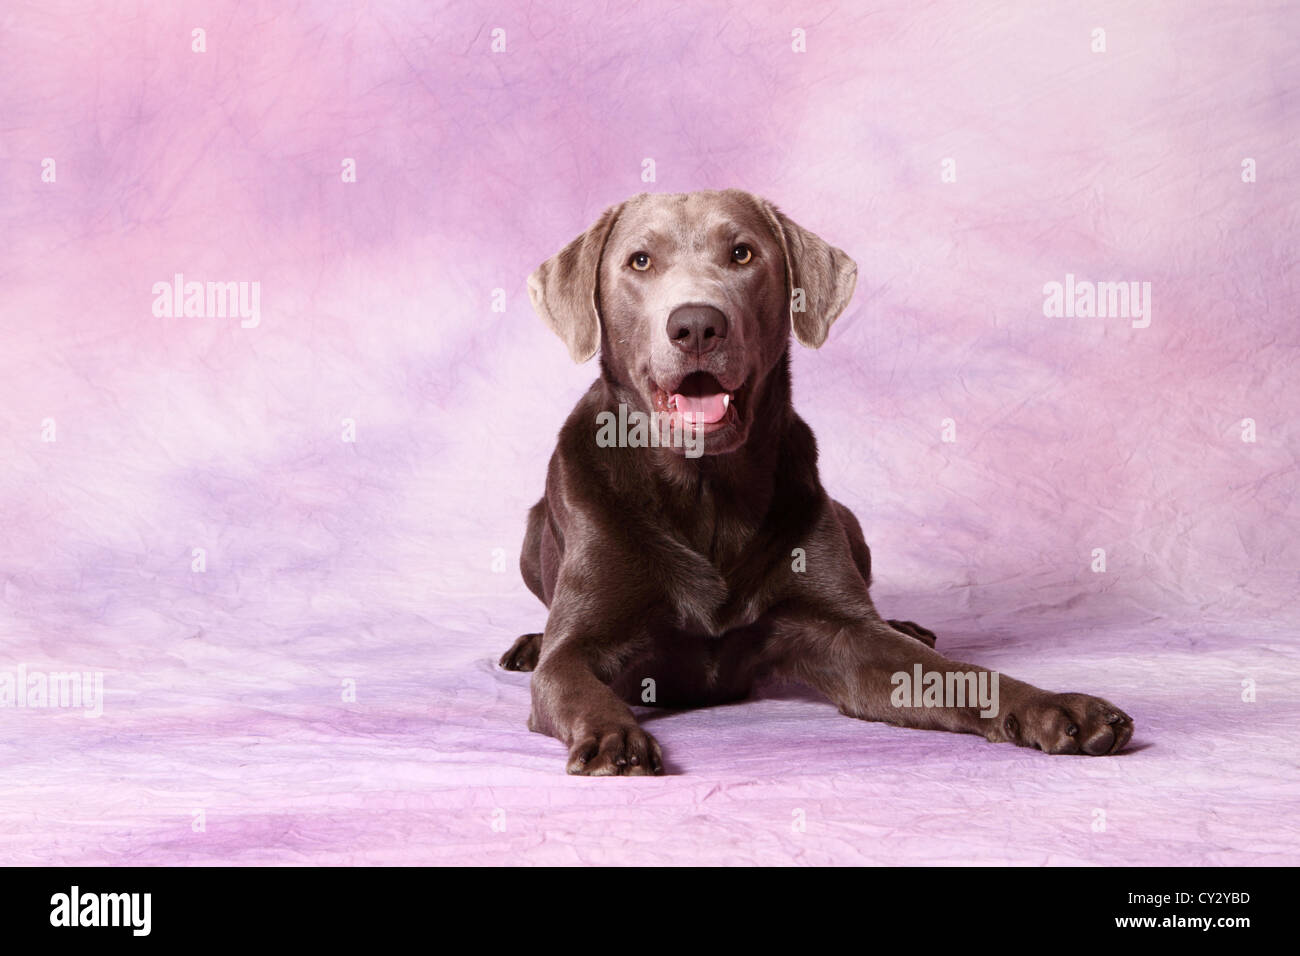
point(873, 672)
point(572, 699)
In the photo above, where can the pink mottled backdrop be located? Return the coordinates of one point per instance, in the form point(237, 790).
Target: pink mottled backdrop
point(373, 561)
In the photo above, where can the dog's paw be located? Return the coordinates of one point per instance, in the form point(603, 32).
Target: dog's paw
point(912, 629)
point(618, 750)
point(523, 653)
point(1068, 724)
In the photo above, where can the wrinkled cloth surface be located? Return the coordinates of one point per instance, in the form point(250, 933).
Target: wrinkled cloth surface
point(297, 632)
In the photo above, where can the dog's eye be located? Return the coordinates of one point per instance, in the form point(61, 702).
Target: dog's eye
point(742, 254)
point(639, 261)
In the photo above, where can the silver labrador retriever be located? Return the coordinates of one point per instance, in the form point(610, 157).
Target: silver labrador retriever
point(672, 569)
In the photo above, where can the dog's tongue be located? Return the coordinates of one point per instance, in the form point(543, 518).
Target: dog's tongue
point(701, 409)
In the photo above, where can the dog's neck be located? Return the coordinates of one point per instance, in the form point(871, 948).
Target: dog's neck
point(726, 499)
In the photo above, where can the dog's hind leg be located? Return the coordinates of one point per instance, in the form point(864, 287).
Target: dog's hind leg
point(523, 653)
point(911, 629)
point(530, 555)
point(857, 541)
point(862, 559)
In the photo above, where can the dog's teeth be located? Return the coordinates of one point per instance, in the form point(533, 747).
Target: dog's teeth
point(726, 400)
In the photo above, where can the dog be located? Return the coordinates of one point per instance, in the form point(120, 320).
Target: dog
point(668, 577)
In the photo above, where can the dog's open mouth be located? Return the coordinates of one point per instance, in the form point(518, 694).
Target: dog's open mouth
point(699, 400)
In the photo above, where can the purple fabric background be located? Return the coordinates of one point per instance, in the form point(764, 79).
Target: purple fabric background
point(390, 561)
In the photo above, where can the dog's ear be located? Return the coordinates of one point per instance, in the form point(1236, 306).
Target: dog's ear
point(564, 289)
point(819, 276)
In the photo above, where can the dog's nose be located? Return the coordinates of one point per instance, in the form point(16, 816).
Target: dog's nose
point(696, 328)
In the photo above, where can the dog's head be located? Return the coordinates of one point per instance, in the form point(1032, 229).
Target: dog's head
point(691, 298)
